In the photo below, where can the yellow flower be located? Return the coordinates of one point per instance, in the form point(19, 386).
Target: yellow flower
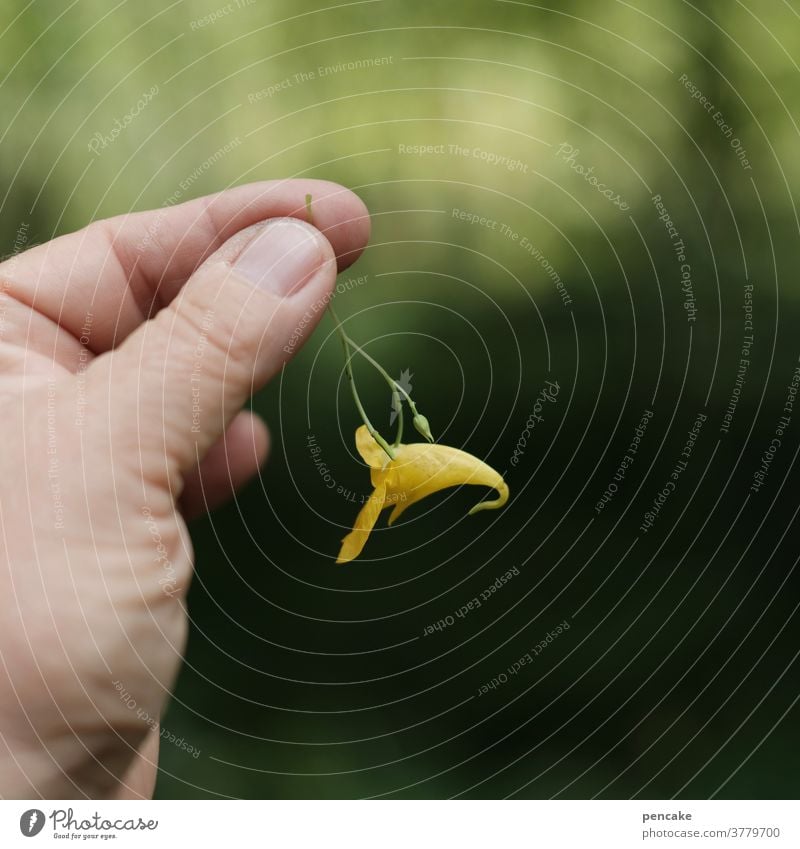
point(418, 470)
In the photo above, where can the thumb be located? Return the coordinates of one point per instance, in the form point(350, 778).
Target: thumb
point(177, 382)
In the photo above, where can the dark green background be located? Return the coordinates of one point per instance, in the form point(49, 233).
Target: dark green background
point(678, 675)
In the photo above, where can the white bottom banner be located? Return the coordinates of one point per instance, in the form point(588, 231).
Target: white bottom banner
point(400, 824)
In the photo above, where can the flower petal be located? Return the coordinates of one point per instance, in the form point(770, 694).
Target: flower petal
point(355, 541)
point(421, 470)
point(372, 453)
point(399, 507)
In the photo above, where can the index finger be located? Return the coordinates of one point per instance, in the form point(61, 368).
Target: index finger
point(123, 269)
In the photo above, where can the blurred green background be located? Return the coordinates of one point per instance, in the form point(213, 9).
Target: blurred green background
point(678, 674)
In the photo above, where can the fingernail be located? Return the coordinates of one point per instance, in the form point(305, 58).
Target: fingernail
point(281, 258)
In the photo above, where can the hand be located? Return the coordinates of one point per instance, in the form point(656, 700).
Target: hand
point(126, 353)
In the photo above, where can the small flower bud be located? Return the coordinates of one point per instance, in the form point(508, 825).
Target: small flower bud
point(422, 426)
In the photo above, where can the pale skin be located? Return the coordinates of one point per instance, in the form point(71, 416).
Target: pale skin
point(127, 351)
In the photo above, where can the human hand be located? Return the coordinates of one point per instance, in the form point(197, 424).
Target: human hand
point(126, 353)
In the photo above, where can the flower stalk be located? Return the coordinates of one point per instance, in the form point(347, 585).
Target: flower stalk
point(411, 472)
point(348, 367)
point(399, 392)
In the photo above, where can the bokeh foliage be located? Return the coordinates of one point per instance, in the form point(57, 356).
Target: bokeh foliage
point(305, 679)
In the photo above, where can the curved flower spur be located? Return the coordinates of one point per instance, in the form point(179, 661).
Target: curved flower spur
point(402, 474)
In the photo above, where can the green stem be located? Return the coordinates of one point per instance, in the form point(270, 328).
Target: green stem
point(394, 385)
point(348, 367)
point(346, 342)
